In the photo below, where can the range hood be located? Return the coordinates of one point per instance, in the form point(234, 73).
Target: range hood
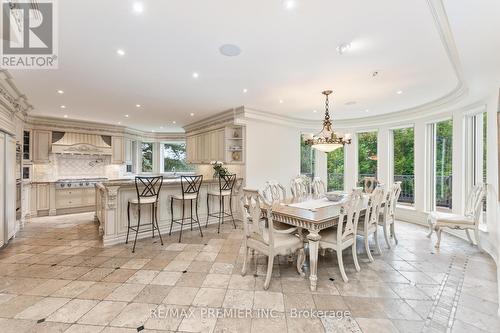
point(80, 144)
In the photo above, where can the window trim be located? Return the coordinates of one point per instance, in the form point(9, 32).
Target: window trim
point(161, 159)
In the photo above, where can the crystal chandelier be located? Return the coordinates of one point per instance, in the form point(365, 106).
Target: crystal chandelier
point(327, 140)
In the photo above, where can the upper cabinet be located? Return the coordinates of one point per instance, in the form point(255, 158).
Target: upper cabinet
point(224, 144)
point(127, 150)
point(42, 141)
point(118, 151)
point(27, 145)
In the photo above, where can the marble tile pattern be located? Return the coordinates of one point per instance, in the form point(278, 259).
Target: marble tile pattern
point(56, 276)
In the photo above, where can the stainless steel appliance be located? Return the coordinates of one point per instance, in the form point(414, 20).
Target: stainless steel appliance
point(78, 183)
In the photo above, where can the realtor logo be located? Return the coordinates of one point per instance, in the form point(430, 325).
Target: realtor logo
point(29, 34)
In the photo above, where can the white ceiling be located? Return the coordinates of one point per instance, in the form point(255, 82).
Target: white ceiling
point(287, 55)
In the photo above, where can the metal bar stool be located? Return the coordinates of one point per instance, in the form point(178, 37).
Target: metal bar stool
point(226, 184)
point(148, 195)
point(190, 186)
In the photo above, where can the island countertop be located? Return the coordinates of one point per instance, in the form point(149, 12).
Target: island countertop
point(166, 182)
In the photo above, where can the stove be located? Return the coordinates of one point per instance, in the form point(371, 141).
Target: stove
point(78, 183)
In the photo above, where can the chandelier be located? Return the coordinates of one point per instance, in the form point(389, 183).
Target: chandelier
point(327, 140)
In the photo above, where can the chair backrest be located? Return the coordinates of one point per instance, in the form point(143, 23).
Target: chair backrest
point(369, 184)
point(149, 187)
point(374, 205)
point(300, 187)
point(392, 198)
point(252, 203)
point(191, 184)
point(474, 204)
point(318, 188)
point(274, 191)
point(226, 182)
point(349, 215)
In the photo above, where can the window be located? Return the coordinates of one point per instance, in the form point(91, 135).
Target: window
point(307, 158)
point(443, 180)
point(367, 155)
point(335, 167)
point(147, 156)
point(174, 157)
point(404, 164)
point(478, 156)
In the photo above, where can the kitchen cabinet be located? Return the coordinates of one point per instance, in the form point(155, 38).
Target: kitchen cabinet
point(42, 196)
point(127, 143)
point(75, 198)
point(42, 141)
point(223, 144)
point(118, 151)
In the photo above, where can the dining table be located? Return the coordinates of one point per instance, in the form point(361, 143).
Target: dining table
point(312, 215)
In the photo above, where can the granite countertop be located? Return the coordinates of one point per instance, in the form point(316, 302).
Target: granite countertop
point(166, 182)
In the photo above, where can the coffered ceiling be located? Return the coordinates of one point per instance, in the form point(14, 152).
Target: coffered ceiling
point(167, 59)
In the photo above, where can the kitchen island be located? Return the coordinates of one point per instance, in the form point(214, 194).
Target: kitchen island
point(111, 207)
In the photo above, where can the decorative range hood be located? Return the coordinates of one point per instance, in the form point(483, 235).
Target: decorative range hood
point(80, 144)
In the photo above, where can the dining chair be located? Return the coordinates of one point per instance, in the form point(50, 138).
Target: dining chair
point(370, 224)
point(343, 235)
point(369, 184)
point(469, 221)
point(387, 217)
point(148, 191)
point(190, 190)
point(274, 191)
point(318, 188)
point(263, 238)
point(300, 187)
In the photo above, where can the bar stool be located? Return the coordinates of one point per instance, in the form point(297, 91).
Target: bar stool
point(190, 186)
point(147, 196)
point(226, 184)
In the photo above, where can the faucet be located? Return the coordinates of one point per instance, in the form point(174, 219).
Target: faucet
point(173, 171)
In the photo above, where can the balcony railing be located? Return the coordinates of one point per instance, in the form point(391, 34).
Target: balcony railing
point(443, 187)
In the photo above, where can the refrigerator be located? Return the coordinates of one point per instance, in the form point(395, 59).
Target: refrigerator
point(8, 195)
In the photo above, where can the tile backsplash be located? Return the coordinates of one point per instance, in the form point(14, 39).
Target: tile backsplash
point(77, 166)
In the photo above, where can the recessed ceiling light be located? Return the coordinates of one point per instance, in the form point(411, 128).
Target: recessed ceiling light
point(161, 127)
point(367, 110)
point(60, 92)
point(230, 50)
point(399, 92)
point(174, 122)
point(63, 106)
point(65, 116)
point(343, 48)
point(245, 90)
point(315, 111)
point(191, 114)
point(126, 116)
point(138, 105)
point(289, 4)
point(120, 52)
point(119, 123)
point(350, 103)
point(196, 75)
point(138, 7)
point(281, 101)
point(153, 131)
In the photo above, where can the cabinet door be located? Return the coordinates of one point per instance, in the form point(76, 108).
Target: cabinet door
point(117, 150)
point(220, 145)
point(42, 197)
point(128, 151)
point(189, 149)
point(42, 141)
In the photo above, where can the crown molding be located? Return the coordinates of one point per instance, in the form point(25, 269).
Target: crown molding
point(218, 120)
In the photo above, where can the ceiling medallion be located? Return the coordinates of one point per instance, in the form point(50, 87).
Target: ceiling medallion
point(327, 140)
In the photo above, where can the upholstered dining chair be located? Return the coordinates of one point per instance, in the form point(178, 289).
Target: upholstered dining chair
point(370, 222)
point(318, 188)
point(343, 235)
point(469, 221)
point(300, 187)
point(263, 238)
point(387, 217)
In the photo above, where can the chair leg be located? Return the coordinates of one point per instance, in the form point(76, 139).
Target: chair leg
point(438, 243)
point(138, 225)
point(245, 258)
point(128, 221)
point(220, 205)
point(301, 258)
point(468, 236)
point(182, 221)
point(341, 265)
point(270, 263)
point(367, 248)
point(386, 235)
point(191, 216)
point(197, 217)
point(478, 241)
point(171, 215)
point(223, 213)
point(208, 210)
point(355, 256)
point(393, 231)
point(153, 219)
point(377, 244)
point(231, 209)
point(431, 226)
point(157, 225)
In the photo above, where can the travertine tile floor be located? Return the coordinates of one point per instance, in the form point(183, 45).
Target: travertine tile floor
point(57, 277)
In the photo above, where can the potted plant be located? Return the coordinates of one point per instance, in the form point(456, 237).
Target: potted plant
point(219, 169)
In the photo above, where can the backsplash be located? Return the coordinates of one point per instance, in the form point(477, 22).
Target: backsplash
point(77, 166)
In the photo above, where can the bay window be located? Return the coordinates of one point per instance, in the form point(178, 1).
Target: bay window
point(404, 163)
point(367, 155)
point(147, 161)
point(335, 169)
point(173, 157)
point(307, 158)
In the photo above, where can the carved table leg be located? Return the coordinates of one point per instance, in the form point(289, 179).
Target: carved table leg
point(313, 238)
